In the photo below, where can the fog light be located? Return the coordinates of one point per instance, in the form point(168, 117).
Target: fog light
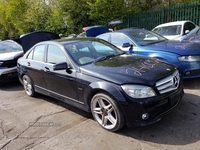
point(188, 73)
point(145, 116)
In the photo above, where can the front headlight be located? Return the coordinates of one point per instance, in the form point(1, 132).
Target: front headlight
point(189, 58)
point(138, 91)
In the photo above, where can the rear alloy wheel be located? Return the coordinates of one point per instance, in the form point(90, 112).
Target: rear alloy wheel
point(106, 112)
point(28, 87)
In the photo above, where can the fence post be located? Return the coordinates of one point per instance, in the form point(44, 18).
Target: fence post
point(185, 11)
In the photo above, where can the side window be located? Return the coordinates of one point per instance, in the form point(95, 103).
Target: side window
point(30, 55)
point(119, 40)
point(188, 26)
point(38, 53)
point(55, 55)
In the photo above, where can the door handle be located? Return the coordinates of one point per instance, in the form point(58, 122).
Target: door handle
point(46, 69)
point(29, 64)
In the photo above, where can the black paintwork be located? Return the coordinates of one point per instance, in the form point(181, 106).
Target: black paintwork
point(32, 38)
point(76, 84)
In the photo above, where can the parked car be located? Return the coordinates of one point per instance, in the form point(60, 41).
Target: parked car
point(195, 38)
point(10, 51)
point(177, 30)
point(98, 77)
point(185, 55)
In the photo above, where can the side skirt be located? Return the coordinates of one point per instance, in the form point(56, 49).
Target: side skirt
point(62, 98)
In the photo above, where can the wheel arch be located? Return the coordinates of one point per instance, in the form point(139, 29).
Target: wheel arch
point(110, 89)
point(165, 56)
point(23, 74)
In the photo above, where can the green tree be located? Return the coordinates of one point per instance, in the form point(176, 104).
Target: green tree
point(68, 16)
point(103, 11)
point(12, 12)
point(76, 14)
point(54, 20)
point(36, 15)
point(166, 3)
point(4, 24)
point(15, 14)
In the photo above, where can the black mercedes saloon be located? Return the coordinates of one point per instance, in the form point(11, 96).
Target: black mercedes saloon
point(91, 74)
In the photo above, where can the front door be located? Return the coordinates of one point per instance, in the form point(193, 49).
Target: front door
point(60, 83)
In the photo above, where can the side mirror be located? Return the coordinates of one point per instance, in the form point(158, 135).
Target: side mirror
point(60, 66)
point(186, 32)
point(126, 45)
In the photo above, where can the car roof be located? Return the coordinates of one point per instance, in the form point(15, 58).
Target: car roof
point(128, 29)
point(69, 40)
point(124, 31)
point(173, 23)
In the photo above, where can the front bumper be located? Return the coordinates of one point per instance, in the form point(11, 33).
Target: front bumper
point(155, 108)
point(191, 74)
point(8, 74)
point(189, 69)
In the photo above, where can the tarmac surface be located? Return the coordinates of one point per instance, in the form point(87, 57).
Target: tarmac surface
point(62, 127)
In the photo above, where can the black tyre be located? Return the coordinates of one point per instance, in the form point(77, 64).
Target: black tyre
point(106, 112)
point(28, 86)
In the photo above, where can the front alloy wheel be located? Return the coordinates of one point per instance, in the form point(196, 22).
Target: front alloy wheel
point(28, 87)
point(106, 112)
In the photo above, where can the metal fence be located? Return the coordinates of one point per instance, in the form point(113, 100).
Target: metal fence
point(150, 19)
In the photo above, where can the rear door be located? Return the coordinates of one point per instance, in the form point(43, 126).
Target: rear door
point(34, 63)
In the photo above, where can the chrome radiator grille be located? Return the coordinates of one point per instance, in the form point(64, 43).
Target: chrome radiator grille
point(169, 83)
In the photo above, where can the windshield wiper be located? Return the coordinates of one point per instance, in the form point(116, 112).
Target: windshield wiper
point(104, 58)
point(153, 42)
point(109, 56)
point(121, 53)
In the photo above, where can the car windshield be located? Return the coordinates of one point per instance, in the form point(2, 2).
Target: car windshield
point(89, 51)
point(168, 30)
point(8, 46)
point(144, 37)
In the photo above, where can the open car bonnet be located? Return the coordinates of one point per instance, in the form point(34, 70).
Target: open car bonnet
point(30, 39)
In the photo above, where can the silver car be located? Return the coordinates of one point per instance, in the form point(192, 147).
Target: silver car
point(177, 30)
point(10, 51)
